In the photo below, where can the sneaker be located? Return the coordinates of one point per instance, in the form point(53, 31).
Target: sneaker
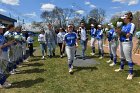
point(6, 85)
point(43, 57)
point(19, 66)
point(70, 71)
point(130, 77)
point(1, 86)
point(112, 64)
point(26, 60)
point(108, 61)
point(118, 70)
point(11, 72)
point(101, 57)
point(75, 57)
point(61, 56)
point(50, 56)
point(92, 54)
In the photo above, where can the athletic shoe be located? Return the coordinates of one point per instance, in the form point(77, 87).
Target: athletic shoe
point(118, 70)
point(43, 57)
point(130, 77)
point(108, 61)
point(112, 64)
point(11, 72)
point(70, 71)
point(75, 57)
point(61, 56)
point(6, 85)
point(1, 86)
point(26, 60)
point(19, 66)
point(101, 57)
point(92, 54)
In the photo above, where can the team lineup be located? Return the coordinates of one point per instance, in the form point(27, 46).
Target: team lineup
point(14, 41)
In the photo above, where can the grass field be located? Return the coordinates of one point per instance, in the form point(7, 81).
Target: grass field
point(51, 76)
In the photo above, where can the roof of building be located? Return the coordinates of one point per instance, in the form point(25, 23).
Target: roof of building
point(7, 18)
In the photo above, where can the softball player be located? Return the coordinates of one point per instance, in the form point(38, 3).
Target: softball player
point(113, 44)
point(10, 37)
point(3, 59)
point(70, 40)
point(99, 37)
point(93, 39)
point(126, 44)
point(109, 36)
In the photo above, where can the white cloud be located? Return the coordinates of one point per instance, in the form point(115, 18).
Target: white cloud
point(116, 7)
point(31, 14)
point(47, 7)
point(2, 10)
point(133, 2)
point(121, 1)
point(128, 2)
point(80, 12)
point(10, 2)
point(92, 6)
point(87, 3)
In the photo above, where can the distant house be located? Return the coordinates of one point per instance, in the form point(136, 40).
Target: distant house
point(4, 20)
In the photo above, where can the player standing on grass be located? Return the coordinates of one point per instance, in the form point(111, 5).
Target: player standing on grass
point(70, 40)
point(93, 38)
point(113, 44)
point(99, 37)
point(126, 44)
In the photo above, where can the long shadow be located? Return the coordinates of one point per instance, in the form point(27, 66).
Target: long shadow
point(56, 56)
point(86, 57)
point(27, 83)
point(35, 64)
point(35, 70)
point(84, 68)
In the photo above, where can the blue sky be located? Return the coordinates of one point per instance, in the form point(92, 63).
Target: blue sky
point(30, 10)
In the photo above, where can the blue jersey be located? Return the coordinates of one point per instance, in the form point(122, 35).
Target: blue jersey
point(111, 34)
point(129, 28)
point(70, 39)
point(2, 42)
point(99, 34)
point(93, 32)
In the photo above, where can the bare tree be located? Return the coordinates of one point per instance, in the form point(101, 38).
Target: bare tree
point(97, 14)
point(58, 16)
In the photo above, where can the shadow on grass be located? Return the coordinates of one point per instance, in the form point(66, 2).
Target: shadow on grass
point(27, 83)
point(34, 64)
point(35, 70)
point(84, 68)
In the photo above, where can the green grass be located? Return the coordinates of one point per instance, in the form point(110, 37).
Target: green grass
point(36, 43)
point(51, 76)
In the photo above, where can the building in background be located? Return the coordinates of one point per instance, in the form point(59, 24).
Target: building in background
point(4, 20)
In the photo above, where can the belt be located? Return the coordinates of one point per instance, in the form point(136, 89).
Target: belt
point(125, 40)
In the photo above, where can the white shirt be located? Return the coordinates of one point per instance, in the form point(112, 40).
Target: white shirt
point(41, 38)
point(60, 37)
point(30, 39)
point(83, 34)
